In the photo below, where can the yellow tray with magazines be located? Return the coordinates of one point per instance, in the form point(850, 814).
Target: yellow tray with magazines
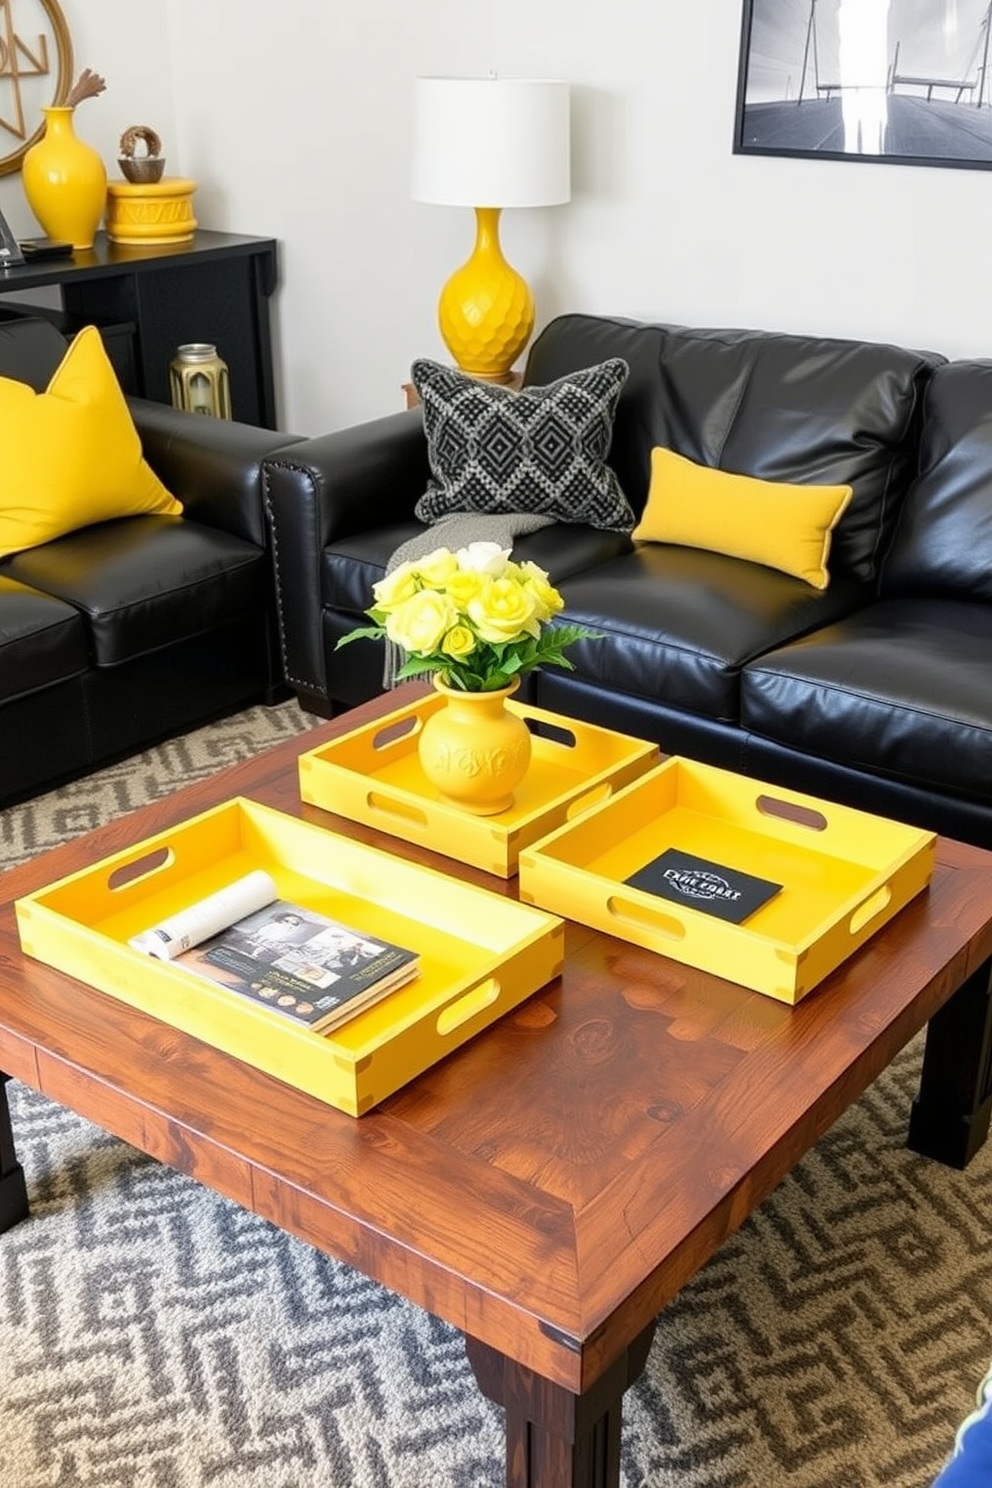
point(373, 775)
point(480, 953)
point(766, 887)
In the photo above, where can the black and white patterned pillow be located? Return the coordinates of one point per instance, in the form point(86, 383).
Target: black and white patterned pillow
point(542, 449)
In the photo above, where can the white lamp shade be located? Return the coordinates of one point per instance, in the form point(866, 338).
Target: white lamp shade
point(491, 142)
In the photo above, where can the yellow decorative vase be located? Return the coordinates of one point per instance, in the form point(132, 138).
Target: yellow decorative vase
point(65, 181)
point(474, 751)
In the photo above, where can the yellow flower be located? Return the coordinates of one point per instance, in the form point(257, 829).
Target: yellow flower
point(463, 586)
point(459, 642)
point(504, 611)
point(476, 616)
point(546, 598)
point(436, 569)
point(395, 588)
point(420, 622)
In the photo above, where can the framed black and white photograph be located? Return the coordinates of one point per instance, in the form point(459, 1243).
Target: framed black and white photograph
point(905, 82)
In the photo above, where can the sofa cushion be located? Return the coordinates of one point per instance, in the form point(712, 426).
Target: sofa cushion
point(808, 410)
point(943, 541)
point(782, 526)
point(679, 623)
point(900, 688)
point(143, 583)
point(71, 455)
point(42, 641)
point(540, 450)
point(351, 565)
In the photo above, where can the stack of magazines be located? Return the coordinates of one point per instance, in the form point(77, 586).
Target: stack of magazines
point(313, 970)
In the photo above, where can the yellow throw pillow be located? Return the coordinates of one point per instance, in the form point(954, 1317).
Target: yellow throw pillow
point(782, 526)
point(71, 455)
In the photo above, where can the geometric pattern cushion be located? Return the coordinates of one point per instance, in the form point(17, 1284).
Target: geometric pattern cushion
point(540, 450)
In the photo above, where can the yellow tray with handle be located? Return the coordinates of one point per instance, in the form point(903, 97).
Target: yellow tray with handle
point(373, 775)
point(481, 953)
point(842, 874)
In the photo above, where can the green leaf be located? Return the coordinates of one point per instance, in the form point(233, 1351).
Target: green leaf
point(415, 666)
point(363, 633)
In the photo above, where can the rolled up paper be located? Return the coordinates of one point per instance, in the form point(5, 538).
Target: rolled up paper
point(197, 922)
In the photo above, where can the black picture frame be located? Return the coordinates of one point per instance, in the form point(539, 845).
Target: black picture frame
point(10, 248)
point(896, 82)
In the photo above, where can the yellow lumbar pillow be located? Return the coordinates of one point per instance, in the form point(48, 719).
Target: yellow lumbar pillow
point(782, 526)
point(71, 455)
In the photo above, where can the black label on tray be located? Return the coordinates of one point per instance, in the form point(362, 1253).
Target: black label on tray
point(699, 884)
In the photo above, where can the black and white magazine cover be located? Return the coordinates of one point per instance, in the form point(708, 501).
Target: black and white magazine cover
point(311, 969)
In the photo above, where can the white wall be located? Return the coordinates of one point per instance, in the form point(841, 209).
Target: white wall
point(293, 120)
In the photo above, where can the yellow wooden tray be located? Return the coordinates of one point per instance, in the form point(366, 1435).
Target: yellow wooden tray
point(844, 874)
point(372, 775)
point(481, 953)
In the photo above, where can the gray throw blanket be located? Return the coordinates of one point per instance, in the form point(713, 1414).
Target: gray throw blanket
point(454, 532)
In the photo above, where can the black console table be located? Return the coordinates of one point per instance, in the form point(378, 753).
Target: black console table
point(149, 299)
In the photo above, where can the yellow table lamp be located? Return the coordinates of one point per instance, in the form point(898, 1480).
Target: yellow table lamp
point(489, 143)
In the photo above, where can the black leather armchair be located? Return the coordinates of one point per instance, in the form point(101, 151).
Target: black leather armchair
point(128, 631)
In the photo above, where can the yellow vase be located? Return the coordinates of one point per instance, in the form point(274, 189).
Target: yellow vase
point(474, 751)
point(65, 181)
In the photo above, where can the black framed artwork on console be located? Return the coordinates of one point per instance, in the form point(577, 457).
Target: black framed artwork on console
point(904, 82)
point(10, 248)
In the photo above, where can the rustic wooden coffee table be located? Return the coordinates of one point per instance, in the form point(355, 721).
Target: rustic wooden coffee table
point(550, 1186)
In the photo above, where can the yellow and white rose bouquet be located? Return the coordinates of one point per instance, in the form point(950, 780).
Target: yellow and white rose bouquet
point(474, 616)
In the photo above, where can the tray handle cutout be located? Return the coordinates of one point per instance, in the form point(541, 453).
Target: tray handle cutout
point(594, 797)
point(554, 733)
point(456, 1013)
point(394, 733)
point(872, 906)
point(402, 810)
point(144, 867)
point(645, 918)
point(792, 811)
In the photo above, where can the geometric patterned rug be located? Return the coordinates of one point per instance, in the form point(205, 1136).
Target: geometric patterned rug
point(155, 1335)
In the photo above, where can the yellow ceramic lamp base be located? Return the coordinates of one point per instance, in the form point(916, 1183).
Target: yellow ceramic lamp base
point(151, 211)
point(486, 311)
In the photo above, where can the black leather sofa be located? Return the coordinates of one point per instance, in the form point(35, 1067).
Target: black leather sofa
point(875, 691)
point(128, 631)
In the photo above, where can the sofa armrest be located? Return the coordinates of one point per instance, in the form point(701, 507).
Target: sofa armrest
point(326, 489)
point(370, 475)
point(213, 466)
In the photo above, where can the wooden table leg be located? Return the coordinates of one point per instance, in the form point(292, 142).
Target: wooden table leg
point(13, 1190)
point(555, 1439)
point(950, 1116)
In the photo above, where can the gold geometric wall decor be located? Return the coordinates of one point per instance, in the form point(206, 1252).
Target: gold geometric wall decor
point(35, 71)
